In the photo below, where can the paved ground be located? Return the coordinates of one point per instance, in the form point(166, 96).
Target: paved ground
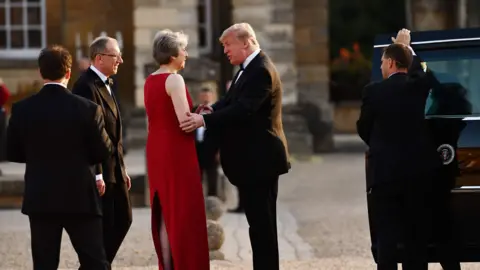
point(322, 222)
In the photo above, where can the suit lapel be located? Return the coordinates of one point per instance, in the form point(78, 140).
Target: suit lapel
point(246, 73)
point(106, 96)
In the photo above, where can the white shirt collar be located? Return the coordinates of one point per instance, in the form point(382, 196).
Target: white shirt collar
point(100, 74)
point(250, 58)
point(56, 83)
point(396, 73)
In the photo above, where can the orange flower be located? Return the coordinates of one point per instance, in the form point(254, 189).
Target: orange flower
point(344, 53)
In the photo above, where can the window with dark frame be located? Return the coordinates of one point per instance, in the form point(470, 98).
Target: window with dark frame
point(204, 15)
point(22, 27)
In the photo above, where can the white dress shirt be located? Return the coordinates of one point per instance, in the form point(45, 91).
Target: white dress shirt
point(56, 83)
point(247, 61)
point(200, 134)
point(102, 77)
point(244, 65)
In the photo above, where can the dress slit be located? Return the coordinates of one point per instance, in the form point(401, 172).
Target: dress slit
point(160, 236)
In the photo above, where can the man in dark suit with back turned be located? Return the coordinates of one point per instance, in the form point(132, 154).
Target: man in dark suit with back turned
point(402, 157)
point(60, 137)
point(253, 148)
point(95, 84)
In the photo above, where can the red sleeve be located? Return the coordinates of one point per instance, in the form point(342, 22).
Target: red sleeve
point(4, 95)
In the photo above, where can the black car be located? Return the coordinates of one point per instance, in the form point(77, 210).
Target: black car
point(453, 113)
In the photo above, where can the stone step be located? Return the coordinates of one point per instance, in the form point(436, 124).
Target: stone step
point(12, 187)
point(299, 143)
point(136, 138)
point(137, 112)
point(137, 123)
point(294, 123)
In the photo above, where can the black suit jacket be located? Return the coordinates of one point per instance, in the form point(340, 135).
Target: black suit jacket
point(60, 137)
point(91, 87)
point(249, 123)
point(392, 123)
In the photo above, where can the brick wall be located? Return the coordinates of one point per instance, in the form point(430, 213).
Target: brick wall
point(82, 16)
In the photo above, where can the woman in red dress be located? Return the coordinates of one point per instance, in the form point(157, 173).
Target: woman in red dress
point(179, 227)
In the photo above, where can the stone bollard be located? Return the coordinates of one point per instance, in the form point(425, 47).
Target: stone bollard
point(216, 235)
point(216, 238)
point(214, 208)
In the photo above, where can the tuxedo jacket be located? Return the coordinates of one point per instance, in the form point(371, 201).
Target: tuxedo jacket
point(91, 87)
point(60, 137)
point(248, 121)
point(392, 123)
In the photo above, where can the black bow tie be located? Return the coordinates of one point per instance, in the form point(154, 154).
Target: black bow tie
point(109, 82)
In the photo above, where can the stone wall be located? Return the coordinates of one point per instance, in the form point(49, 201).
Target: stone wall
point(81, 17)
point(432, 14)
point(14, 79)
point(312, 61)
point(94, 16)
point(272, 21)
point(151, 16)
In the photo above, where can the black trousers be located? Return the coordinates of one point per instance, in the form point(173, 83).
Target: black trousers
point(443, 222)
point(260, 203)
point(117, 217)
point(211, 172)
point(402, 214)
point(85, 232)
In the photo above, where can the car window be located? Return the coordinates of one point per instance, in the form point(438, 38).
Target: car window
point(456, 92)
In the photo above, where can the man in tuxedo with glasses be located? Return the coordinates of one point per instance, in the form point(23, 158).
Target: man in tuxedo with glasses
point(95, 85)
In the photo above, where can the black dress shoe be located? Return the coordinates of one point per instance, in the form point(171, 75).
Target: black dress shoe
point(238, 210)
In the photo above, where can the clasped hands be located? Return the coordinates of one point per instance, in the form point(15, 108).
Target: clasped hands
point(195, 120)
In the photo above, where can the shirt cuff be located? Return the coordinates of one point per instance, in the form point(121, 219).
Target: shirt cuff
point(99, 177)
point(413, 52)
point(203, 120)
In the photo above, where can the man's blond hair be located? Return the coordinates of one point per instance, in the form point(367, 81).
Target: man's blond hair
point(242, 31)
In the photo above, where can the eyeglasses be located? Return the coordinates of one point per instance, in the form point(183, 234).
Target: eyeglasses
point(112, 55)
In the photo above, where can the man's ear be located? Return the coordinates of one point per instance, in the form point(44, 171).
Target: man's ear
point(68, 74)
point(246, 43)
point(391, 63)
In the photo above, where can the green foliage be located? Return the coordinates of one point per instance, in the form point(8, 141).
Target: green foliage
point(361, 20)
point(353, 27)
point(349, 73)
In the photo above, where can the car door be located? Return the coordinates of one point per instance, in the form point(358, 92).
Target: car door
point(453, 114)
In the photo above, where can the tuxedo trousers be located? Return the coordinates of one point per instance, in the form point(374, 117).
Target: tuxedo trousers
point(117, 217)
point(85, 232)
point(402, 213)
point(259, 199)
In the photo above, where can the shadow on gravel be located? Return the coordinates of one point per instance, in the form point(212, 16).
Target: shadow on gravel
point(349, 144)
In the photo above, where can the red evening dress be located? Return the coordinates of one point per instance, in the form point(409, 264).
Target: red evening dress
point(174, 179)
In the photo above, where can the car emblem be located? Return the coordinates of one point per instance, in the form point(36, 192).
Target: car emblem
point(447, 153)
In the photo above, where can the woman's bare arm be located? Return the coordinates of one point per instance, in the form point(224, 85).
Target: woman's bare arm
point(175, 87)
